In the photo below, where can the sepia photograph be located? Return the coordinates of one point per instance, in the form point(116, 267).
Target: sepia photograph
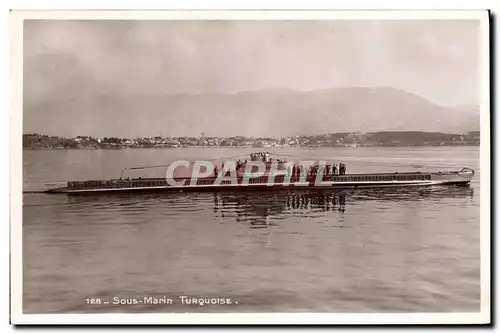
point(278, 167)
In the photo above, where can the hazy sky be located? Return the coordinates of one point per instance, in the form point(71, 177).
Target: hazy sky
point(77, 60)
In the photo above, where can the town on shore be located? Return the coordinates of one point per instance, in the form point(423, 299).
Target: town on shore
point(353, 139)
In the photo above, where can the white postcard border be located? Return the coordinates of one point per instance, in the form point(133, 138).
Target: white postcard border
point(17, 317)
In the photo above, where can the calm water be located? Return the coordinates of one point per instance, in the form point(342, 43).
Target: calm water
point(356, 251)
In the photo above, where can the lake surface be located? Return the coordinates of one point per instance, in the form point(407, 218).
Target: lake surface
point(354, 251)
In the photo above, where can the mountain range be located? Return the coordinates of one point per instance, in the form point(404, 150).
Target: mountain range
point(272, 112)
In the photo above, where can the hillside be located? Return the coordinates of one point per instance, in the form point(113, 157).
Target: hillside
point(254, 113)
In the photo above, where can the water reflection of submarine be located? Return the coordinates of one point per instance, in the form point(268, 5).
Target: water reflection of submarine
point(258, 204)
point(265, 204)
point(325, 201)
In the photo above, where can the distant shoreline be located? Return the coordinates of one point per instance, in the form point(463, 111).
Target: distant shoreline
point(347, 139)
point(214, 147)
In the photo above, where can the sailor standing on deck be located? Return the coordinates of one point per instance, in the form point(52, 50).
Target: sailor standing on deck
point(334, 169)
point(342, 169)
